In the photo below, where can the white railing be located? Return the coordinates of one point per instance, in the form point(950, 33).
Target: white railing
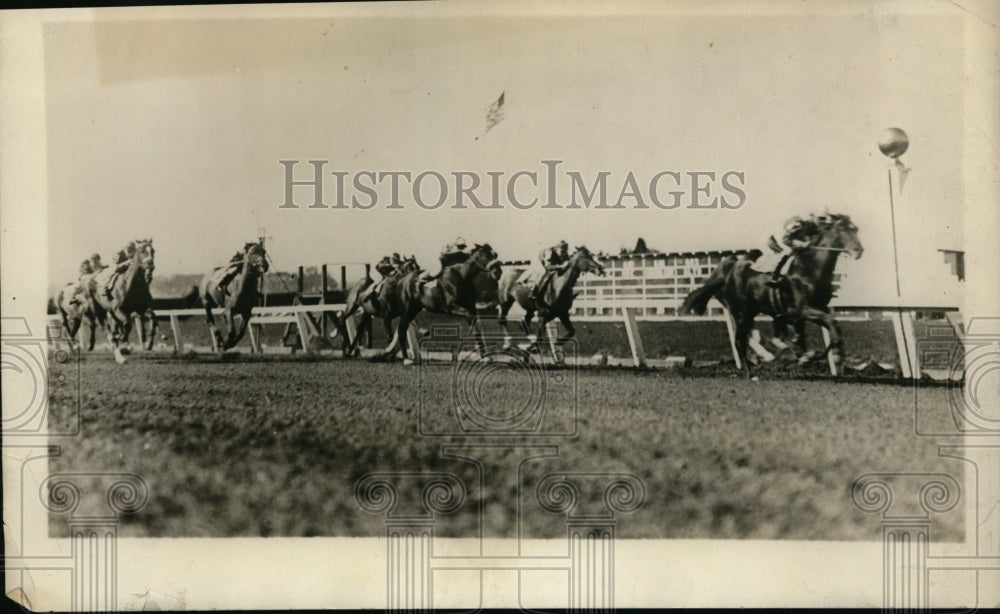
point(901, 317)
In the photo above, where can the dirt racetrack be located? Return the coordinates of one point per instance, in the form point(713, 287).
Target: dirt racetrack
point(273, 445)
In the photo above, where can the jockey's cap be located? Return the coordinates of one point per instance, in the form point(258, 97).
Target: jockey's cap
point(563, 244)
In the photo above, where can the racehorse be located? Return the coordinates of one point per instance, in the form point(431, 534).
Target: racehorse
point(556, 297)
point(803, 294)
point(411, 295)
point(129, 296)
point(242, 295)
point(75, 306)
point(377, 305)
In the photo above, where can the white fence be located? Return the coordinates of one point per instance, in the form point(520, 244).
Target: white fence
point(902, 319)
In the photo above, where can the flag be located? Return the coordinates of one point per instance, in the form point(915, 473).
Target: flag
point(494, 115)
point(903, 172)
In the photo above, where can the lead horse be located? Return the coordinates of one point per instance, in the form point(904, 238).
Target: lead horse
point(411, 296)
point(556, 298)
point(242, 296)
point(803, 294)
point(130, 296)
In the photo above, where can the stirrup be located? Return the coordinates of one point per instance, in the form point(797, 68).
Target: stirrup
point(773, 283)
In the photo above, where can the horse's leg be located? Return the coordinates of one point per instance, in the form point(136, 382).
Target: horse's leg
point(570, 333)
point(475, 323)
point(826, 320)
point(151, 340)
point(244, 324)
point(389, 352)
point(120, 333)
point(744, 326)
point(758, 348)
point(212, 329)
point(92, 335)
point(231, 333)
point(779, 337)
point(502, 321)
point(142, 328)
point(529, 314)
point(363, 331)
point(69, 327)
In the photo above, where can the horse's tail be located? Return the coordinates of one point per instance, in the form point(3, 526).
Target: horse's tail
point(697, 301)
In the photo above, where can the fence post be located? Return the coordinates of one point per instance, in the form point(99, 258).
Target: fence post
point(254, 332)
point(634, 339)
point(414, 343)
point(905, 346)
point(175, 327)
point(352, 330)
point(304, 337)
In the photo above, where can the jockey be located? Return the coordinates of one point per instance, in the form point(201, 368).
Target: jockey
point(85, 268)
point(95, 263)
point(798, 235)
point(554, 260)
point(454, 253)
point(388, 265)
point(120, 262)
point(753, 255)
point(232, 270)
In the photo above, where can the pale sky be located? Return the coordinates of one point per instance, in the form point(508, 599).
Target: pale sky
point(173, 128)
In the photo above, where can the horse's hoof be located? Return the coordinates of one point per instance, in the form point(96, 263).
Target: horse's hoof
point(408, 361)
point(754, 379)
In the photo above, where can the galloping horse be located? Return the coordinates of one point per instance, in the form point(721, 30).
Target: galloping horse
point(377, 306)
point(556, 298)
point(410, 296)
point(74, 304)
point(129, 296)
point(242, 296)
point(803, 295)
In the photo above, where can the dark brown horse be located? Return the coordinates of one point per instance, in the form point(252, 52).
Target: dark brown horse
point(411, 295)
point(556, 297)
point(242, 296)
point(803, 295)
point(371, 303)
point(129, 296)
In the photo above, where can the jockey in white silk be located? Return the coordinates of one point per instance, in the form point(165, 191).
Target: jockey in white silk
point(553, 260)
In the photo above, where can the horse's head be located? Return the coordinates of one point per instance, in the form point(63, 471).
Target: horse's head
point(584, 262)
point(144, 254)
point(839, 232)
point(254, 257)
